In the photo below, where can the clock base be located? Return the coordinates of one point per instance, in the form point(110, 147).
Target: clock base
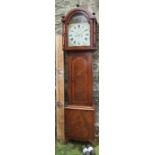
point(80, 123)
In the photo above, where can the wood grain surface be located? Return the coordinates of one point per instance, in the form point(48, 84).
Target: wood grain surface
point(59, 89)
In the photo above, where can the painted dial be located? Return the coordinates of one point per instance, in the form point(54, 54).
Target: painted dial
point(79, 34)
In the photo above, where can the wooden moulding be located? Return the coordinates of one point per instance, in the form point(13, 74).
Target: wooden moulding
point(59, 89)
point(80, 107)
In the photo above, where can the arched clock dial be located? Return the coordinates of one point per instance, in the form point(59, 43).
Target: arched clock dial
point(79, 34)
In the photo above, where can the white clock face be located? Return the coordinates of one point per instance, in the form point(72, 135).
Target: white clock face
point(79, 34)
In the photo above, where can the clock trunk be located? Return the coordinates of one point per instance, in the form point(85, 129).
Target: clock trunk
point(80, 79)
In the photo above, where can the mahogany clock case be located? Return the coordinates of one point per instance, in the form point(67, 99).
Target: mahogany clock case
point(80, 109)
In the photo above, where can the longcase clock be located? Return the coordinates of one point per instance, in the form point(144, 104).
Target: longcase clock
point(79, 43)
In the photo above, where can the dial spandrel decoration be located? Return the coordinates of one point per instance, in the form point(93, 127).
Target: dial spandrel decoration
point(78, 31)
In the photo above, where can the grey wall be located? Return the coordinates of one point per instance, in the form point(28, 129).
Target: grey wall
point(61, 8)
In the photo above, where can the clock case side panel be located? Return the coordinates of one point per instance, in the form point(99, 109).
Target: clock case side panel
point(91, 20)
